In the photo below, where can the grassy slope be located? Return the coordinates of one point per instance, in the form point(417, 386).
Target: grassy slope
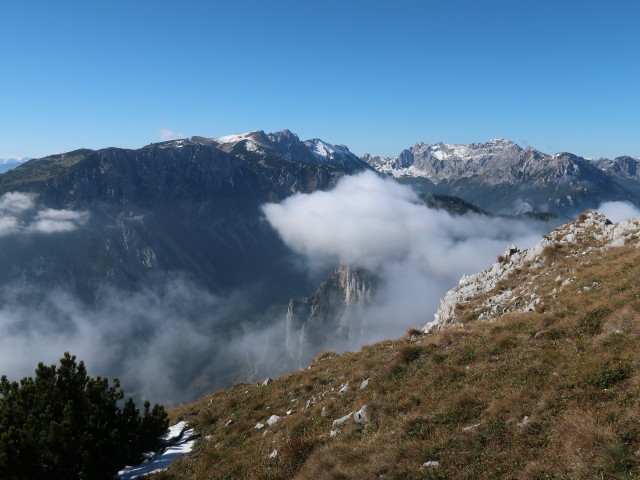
point(548, 394)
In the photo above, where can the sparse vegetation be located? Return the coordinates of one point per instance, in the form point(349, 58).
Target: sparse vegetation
point(548, 394)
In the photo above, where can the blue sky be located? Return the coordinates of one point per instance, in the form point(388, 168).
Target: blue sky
point(378, 76)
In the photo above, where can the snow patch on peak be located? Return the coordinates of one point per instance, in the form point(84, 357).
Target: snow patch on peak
point(324, 151)
point(501, 141)
point(237, 137)
point(321, 148)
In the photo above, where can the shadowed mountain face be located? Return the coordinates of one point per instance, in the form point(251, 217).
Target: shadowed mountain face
point(157, 265)
point(190, 206)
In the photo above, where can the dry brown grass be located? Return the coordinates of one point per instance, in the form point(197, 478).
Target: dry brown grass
point(539, 395)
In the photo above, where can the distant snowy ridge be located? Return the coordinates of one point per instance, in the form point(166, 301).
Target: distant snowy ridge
point(284, 142)
point(498, 161)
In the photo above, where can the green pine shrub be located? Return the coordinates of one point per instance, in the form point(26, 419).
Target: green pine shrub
point(63, 424)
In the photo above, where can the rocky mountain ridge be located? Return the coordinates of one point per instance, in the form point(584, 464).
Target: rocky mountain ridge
point(501, 176)
point(592, 232)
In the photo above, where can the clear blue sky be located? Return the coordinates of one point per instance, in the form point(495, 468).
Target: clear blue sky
point(378, 76)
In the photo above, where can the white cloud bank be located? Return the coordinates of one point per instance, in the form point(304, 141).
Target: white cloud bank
point(19, 212)
point(618, 211)
point(419, 253)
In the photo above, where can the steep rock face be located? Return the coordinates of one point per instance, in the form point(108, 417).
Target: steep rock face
point(621, 167)
point(332, 317)
point(624, 170)
point(502, 177)
point(589, 234)
point(497, 160)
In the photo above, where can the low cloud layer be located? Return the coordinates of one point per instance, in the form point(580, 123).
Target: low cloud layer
point(170, 342)
point(19, 213)
point(175, 340)
point(618, 211)
point(380, 225)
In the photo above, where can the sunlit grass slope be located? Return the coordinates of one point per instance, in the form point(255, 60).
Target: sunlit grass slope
point(549, 394)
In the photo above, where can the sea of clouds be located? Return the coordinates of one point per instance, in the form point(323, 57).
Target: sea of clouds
point(173, 340)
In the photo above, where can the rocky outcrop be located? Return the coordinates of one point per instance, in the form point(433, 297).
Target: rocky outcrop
point(591, 232)
point(332, 317)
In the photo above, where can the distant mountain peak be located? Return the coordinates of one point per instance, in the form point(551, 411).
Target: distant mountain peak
point(501, 141)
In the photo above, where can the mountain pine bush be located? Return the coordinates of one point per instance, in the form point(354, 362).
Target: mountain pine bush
point(63, 424)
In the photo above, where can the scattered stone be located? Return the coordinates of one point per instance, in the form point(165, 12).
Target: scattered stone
point(289, 412)
point(567, 281)
point(523, 422)
point(361, 415)
point(267, 381)
point(364, 384)
point(259, 426)
point(229, 422)
point(470, 427)
point(344, 388)
point(273, 419)
point(341, 420)
point(208, 438)
point(273, 454)
point(324, 412)
point(431, 464)
point(335, 433)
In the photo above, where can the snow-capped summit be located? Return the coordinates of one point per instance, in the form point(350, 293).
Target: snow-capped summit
point(499, 175)
point(324, 151)
point(284, 143)
point(442, 161)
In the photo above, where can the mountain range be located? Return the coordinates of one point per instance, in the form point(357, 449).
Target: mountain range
point(502, 177)
point(169, 242)
point(188, 205)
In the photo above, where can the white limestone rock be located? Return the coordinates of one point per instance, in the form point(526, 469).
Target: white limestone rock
point(361, 415)
point(273, 419)
point(342, 420)
point(592, 230)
